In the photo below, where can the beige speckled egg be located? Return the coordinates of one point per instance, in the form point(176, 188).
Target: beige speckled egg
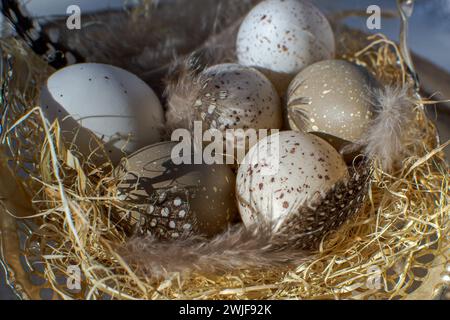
point(281, 37)
point(171, 201)
point(237, 97)
point(334, 97)
point(284, 172)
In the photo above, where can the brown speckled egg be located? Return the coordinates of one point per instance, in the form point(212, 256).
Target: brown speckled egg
point(281, 37)
point(334, 98)
point(237, 97)
point(284, 172)
point(171, 201)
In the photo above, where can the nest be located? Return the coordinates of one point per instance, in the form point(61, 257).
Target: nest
point(63, 206)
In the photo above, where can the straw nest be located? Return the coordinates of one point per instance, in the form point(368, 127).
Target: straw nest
point(384, 252)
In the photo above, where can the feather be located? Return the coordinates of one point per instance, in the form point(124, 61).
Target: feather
point(261, 247)
point(182, 88)
point(56, 54)
point(389, 134)
point(236, 249)
point(184, 79)
point(145, 39)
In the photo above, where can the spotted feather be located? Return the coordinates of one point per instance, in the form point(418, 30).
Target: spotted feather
point(56, 54)
point(306, 228)
point(166, 215)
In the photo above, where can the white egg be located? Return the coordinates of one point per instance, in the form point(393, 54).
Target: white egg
point(118, 107)
point(284, 172)
point(281, 37)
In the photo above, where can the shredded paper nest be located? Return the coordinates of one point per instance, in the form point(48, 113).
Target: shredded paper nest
point(65, 204)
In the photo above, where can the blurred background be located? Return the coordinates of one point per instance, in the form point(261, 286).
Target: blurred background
point(429, 40)
point(430, 24)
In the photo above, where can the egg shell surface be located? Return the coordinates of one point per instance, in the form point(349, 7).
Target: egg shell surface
point(238, 97)
point(335, 97)
point(281, 37)
point(170, 201)
point(115, 105)
point(284, 172)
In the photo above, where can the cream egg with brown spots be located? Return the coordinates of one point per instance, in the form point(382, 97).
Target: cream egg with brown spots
point(237, 97)
point(281, 37)
point(170, 201)
point(332, 97)
point(283, 173)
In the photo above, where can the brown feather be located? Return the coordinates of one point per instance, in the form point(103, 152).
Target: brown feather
point(239, 248)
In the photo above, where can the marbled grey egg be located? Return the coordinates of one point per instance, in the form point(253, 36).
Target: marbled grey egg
point(172, 201)
point(237, 97)
point(332, 97)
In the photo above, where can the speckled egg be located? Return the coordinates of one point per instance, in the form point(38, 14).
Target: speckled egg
point(281, 37)
point(284, 172)
point(114, 104)
point(332, 97)
point(171, 201)
point(237, 97)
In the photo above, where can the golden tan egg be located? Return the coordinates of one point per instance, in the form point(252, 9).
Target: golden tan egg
point(331, 97)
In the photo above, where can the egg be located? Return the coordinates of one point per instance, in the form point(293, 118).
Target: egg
point(285, 172)
point(237, 97)
point(115, 105)
point(171, 201)
point(332, 97)
point(281, 37)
